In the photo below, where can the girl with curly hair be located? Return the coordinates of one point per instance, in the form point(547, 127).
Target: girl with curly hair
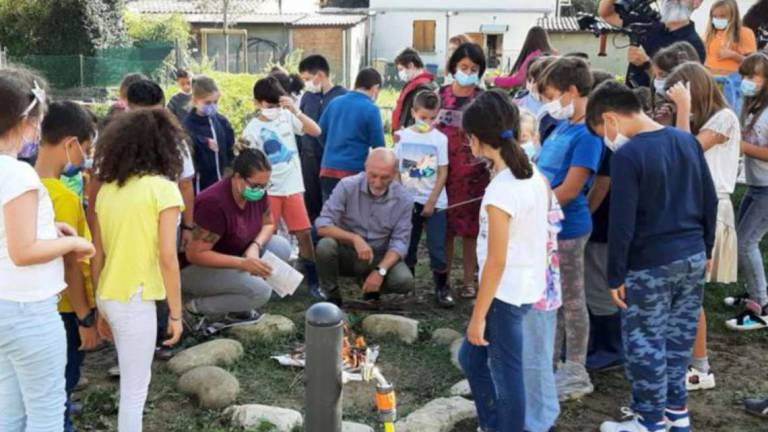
point(138, 160)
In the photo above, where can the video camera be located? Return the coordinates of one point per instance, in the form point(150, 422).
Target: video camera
point(762, 36)
point(639, 12)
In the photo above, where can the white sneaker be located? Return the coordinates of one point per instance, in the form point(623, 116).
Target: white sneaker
point(677, 421)
point(698, 380)
point(635, 423)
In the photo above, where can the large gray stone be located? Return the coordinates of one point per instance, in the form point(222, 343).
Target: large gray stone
point(253, 416)
point(455, 347)
point(404, 329)
point(462, 389)
point(219, 352)
point(213, 387)
point(268, 328)
point(440, 415)
point(445, 336)
point(355, 427)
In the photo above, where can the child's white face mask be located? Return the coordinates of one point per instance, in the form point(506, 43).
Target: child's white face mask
point(558, 111)
point(616, 143)
point(271, 114)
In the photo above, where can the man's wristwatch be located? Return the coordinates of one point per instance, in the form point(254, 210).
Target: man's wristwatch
point(188, 227)
point(382, 271)
point(88, 321)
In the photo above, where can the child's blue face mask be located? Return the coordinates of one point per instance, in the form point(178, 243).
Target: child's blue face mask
point(209, 110)
point(749, 88)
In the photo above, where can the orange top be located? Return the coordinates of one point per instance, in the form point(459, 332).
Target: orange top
point(747, 45)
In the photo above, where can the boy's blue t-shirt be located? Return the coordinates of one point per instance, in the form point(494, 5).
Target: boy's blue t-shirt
point(571, 145)
point(351, 126)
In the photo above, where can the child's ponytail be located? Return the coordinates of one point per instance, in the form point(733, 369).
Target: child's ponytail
point(514, 156)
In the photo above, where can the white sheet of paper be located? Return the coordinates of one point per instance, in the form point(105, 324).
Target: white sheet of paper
point(285, 279)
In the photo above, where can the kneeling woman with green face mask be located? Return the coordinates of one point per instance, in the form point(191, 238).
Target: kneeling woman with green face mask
point(233, 229)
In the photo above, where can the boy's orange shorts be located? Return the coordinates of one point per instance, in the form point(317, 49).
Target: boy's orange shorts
point(292, 210)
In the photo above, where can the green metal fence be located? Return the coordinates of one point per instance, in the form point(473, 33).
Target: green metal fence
point(105, 68)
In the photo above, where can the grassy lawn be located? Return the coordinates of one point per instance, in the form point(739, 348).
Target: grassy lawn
point(423, 372)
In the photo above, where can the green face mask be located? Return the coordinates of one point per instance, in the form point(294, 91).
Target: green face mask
point(253, 194)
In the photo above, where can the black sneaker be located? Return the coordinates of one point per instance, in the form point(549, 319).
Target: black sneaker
point(228, 321)
point(757, 407)
point(748, 321)
point(444, 298)
point(334, 296)
point(241, 318)
point(317, 293)
point(442, 290)
point(736, 301)
point(164, 353)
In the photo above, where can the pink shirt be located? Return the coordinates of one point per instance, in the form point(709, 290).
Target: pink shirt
point(517, 78)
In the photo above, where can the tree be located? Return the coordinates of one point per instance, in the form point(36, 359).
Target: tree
point(161, 28)
point(60, 27)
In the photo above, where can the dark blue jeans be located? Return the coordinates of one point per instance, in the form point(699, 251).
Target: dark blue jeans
point(327, 185)
point(310, 169)
point(495, 372)
point(75, 359)
point(436, 227)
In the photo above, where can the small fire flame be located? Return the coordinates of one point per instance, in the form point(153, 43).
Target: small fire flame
point(353, 355)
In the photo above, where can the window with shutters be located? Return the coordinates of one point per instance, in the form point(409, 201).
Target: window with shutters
point(424, 36)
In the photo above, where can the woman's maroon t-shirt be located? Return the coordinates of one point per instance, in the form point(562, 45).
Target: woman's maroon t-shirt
point(216, 211)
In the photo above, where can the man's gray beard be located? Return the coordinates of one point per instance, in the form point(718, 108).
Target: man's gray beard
point(675, 11)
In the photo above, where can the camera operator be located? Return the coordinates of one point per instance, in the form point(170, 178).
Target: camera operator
point(675, 26)
point(756, 18)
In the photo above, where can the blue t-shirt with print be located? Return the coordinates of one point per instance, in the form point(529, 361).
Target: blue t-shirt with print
point(571, 145)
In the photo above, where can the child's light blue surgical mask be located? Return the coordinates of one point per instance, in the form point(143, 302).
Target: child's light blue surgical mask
point(209, 110)
point(720, 23)
point(659, 84)
point(70, 169)
point(749, 88)
point(466, 80)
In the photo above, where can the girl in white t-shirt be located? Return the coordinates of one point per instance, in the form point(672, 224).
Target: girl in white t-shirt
point(512, 254)
point(703, 111)
point(33, 346)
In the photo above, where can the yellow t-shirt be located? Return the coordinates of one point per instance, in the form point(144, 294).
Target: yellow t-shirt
point(746, 46)
point(69, 209)
point(128, 220)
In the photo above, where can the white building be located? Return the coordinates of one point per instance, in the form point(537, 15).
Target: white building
point(500, 26)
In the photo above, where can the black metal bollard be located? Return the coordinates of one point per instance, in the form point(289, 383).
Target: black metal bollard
point(322, 375)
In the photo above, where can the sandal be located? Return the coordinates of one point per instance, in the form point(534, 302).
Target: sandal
point(468, 292)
